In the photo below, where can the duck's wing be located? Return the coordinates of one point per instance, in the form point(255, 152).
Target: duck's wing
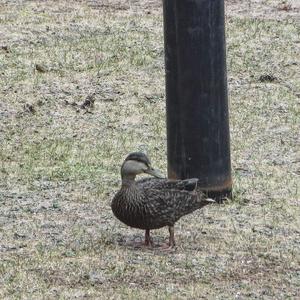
point(172, 204)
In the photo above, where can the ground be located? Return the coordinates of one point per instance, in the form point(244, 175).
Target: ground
point(60, 159)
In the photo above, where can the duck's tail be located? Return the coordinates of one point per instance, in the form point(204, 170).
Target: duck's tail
point(204, 200)
point(209, 200)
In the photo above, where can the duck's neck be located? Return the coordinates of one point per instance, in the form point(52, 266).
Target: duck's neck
point(128, 181)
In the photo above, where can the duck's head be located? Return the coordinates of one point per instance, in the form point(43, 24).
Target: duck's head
point(137, 163)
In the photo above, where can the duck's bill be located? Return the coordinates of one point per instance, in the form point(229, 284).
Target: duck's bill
point(155, 173)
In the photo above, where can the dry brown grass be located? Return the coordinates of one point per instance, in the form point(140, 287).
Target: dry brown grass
point(59, 163)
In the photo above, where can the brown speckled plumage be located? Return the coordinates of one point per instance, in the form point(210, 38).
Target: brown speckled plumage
point(152, 203)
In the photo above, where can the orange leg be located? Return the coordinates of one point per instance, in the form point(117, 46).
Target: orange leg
point(148, 240)
point(171, 237)
point(169, 246)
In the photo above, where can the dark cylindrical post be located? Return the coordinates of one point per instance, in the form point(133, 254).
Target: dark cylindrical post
point(196, 88)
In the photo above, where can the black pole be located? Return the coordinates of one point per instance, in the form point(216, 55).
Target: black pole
point(196, 88)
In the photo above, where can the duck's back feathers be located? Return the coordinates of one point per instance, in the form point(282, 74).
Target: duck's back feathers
point(181, 185)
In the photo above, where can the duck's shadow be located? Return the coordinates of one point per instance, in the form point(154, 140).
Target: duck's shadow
point(136, 243)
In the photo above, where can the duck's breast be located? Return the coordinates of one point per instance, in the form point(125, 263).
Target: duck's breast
point(136, 211)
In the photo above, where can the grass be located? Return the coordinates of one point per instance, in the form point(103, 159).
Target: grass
point(59, 164)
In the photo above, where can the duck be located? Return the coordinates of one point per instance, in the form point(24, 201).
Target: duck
point(154, 202)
